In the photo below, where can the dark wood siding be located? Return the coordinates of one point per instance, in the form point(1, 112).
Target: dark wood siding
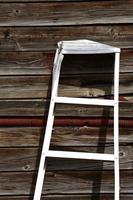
point(29, 31)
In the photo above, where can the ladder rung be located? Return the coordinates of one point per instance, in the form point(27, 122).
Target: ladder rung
point(80, 155)
point(85, 101)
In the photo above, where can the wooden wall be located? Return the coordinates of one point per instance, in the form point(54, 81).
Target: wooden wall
point(29, 31)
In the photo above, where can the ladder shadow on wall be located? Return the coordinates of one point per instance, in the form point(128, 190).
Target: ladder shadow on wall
point(43, 126)
point(100, 69)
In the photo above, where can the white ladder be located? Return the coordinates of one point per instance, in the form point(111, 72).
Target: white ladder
point(80, 47)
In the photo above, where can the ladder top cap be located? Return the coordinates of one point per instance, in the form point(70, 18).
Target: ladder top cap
point(84, 46)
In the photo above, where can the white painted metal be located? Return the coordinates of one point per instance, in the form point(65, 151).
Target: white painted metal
point(85, 101)
point(116, 127)
point(85, 47)
point(80, 46)
point(80, 155)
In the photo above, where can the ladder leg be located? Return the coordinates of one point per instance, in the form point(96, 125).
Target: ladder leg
point(48, 132)
point(55, 66)
point(116, 127)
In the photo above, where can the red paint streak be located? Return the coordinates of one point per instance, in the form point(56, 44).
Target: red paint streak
point(50, 60)
point(38, 121)
point(121, 98)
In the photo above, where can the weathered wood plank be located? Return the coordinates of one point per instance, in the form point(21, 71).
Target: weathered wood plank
point(24, 87)
point(86, 64)
point(65, 136)
point(26, 63)
point(40, 63)
point(67, 182)
point(26, 159)
point(93, 85)
point(38, 107)
point(70, 197)
point(88, 136)
point(74, 13)
point(10, 1)
point(46, 38)
point(87, 85)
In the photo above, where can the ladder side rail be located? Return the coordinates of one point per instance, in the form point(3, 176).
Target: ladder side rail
point(116, 127)
point(54, 66)
point(50, 119)
point(48, 131)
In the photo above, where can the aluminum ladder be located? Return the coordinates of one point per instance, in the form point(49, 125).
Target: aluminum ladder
point(80, 47)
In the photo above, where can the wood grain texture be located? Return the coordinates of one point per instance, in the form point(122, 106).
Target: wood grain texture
point(46, 38)
point(27, 159)
point(26, 63)
point(89, 85)
point(74, 13)
point(65, 136)
point(29, 34)
point(70, 197)
point(10, 1)
point(38, 107)
point(40, 63)
point(67, 182)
